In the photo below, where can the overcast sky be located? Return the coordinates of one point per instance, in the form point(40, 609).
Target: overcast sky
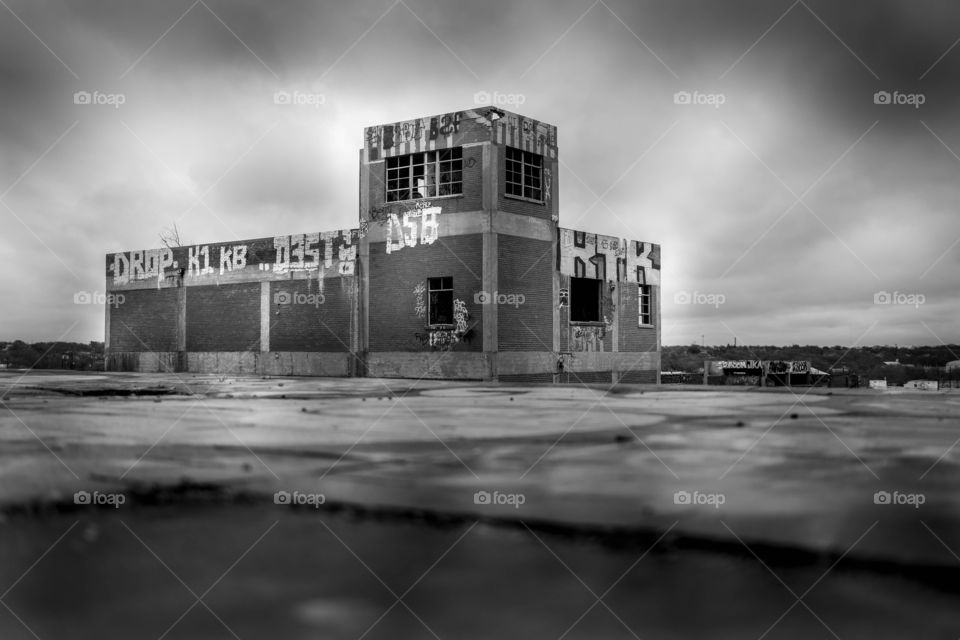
point(784, 197)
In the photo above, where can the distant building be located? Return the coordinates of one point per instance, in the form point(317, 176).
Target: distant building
point(924, 385)
point(763, 373)
point(457, 269)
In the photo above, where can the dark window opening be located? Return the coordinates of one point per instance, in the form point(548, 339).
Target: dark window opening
point(524, 174)
point(425, 175)
point(440, 300)
point(585, 299)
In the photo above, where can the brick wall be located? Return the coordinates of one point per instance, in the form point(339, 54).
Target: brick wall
point(311, 321)
point(224, 318)
point(146, 321)
point(525, 268)
point(393, 277)
point(632, 336)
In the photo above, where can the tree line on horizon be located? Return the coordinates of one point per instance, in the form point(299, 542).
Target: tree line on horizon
point(18, 354)
point(923, 362)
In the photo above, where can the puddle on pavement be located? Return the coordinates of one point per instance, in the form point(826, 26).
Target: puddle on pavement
point(282, 573)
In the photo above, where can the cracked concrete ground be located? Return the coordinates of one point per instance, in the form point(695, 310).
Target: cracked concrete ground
point(637, 511)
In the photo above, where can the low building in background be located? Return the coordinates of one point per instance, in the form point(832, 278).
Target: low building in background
point(923, 385)
point(763, 373)
point(457, 269)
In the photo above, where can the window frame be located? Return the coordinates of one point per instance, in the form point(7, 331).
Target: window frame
point(575, 284)
point(441, 169)
point(439, 285)
point(645, 294)
point(524, 162)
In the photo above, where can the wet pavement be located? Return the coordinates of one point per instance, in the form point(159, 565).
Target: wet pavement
point(753, 513)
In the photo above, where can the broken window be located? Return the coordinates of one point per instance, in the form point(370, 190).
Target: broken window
point(425, 175)
point(644, 294)
point(585, 299)
point(524, 174)
point(440, 310)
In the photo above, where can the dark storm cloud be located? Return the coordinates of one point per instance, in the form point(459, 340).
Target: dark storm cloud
point(713, 186)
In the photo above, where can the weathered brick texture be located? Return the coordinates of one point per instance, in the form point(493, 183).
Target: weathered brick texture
point(525, 268)
point(394, 325)
point(309, 320)
point(146, 321)
point(632, 336)
point(224, 318)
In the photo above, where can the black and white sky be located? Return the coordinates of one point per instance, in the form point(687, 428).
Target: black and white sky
point(786, 194)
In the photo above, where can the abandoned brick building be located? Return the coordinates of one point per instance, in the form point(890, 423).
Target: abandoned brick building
point(458, 269)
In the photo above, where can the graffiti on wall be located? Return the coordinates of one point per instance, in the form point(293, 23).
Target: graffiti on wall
point(591, 255)
point(788, 366)
point(417, 134)
point(446, 338)
point(721, 367)
point(442, 338)
point(306, 252)
point(460, 315)
point(527, 134)
point(404, 230)
point(739, 364)
point(313, 251)
point(380, 214)
point(152, 263)
point(422, 134)
point(584, 339)
point(420, 308)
